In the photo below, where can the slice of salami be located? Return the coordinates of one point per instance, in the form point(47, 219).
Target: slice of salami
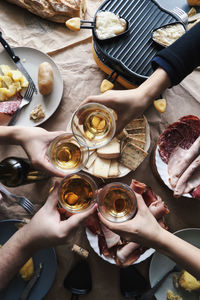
point(182, 133)
point(169, 142)
point(9, 107)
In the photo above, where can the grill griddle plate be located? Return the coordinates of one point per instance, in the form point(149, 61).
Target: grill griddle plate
point(131, 54)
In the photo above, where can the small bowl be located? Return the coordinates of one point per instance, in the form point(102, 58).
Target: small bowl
point(59, 153)
point(117, 202)
point(81, 121)
point(164, 27)
point(80, 186)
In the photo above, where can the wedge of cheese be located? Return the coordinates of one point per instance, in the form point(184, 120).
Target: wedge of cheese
point(114, 168)
point(132, 156)
point(111, 150)
point(91, 159)
point(101, 167)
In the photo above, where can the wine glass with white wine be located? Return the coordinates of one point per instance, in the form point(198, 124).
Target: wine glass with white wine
point(95, 124)
point(117, 202)
point(77, 192)
point(67, 154)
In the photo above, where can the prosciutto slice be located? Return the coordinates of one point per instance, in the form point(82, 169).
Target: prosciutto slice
point(111, 238)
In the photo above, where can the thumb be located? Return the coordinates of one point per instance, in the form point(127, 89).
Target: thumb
point(52, 200)
point(77, 219)
point(141, 205)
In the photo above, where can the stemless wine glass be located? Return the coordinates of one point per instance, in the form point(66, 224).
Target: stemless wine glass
point(95, 123)
point(66, 154)
point(117, 202)
point(77, 192)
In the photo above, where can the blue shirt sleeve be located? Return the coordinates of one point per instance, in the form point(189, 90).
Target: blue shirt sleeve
point(182, 57)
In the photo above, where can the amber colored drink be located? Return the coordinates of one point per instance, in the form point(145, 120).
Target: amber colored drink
point(67, 154)
point(117, 202)
point(77, 192)
point(95, 123)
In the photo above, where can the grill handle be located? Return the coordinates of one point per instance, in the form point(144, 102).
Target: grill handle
point(108, 84)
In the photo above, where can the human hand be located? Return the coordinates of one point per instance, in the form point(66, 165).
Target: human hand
point(142, 229)
point(128, 104)
point(46, 229)
point(35, 141)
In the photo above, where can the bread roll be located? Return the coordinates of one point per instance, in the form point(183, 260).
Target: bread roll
point(54, 10)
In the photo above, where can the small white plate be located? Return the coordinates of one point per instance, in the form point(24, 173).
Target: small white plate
point(33, 58)
point(162, 169)
point(93, 240)
point(161, 264)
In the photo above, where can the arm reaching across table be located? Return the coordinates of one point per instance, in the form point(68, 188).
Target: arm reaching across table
point(172, 64)
point(44, 230)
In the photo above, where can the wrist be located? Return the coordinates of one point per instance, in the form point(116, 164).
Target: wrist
point(153, 87)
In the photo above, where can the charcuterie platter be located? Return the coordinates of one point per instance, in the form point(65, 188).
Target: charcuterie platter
point(177, 157)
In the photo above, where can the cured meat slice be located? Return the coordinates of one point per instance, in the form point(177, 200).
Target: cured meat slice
point(182, 133)
point(93, 223)
point(196, 192)
point(180, 160)
point(181, 184)
point(148, 195)
point(193, 182)
point(9, 107)
point(111, 238)
point(171, 138)
point(138, 187)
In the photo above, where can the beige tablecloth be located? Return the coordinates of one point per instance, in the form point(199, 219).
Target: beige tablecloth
point(72, 53)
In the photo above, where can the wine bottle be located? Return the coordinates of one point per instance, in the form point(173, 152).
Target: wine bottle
point(15, 171)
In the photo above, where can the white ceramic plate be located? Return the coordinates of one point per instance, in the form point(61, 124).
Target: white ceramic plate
point(163, 171)
point(161, 264)
point(93, 240)
point(122, 169)
point(33, 58)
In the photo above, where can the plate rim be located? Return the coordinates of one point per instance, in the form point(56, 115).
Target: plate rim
point(160, 168)
point(18, 48)
point(110, 260)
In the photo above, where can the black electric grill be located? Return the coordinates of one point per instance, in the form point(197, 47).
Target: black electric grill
point(131, 54)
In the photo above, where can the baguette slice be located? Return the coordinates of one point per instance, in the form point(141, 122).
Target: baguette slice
point(111, 150)
point(101, 167)
point(91, 159)
point(114, 168)
point(132, 156)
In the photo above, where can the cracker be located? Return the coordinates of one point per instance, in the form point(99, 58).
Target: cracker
point(132, 156)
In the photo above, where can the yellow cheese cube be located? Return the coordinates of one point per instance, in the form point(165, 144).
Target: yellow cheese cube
point(27, 270)
point(160, 105)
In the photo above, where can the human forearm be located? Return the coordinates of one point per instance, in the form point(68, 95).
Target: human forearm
point(10, 134)
point(183, 253)
point(14, 254)
point(151, 89)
